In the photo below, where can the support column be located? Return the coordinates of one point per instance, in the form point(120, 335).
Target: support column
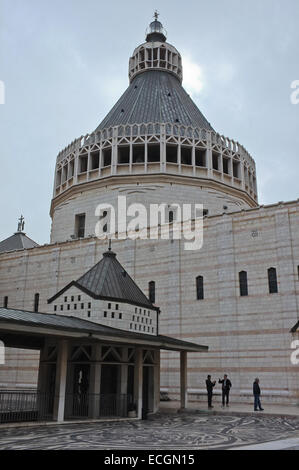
point(124, 383)
point(183, 375)
point(60, 382)
point(157, 381)
point(95, 383)
point(138, 381)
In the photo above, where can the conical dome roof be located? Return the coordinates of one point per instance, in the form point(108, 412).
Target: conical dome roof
point(155, 93)
point(155, 96)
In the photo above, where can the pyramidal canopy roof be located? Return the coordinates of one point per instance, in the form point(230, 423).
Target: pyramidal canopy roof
point(108, 280)
point(155, 96)
point(18, 241)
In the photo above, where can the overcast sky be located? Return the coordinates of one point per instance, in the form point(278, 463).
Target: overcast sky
point(64, 64)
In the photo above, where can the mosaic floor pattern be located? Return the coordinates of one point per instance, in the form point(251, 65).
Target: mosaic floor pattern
point(166, 431)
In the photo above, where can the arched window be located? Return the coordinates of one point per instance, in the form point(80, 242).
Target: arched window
point(272, 280)
point(36, 302)
point(152, 291)
point(243, 283)
point(199, 288)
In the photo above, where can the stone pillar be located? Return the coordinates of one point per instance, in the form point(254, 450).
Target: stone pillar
point(209, 162)
point(114, 150)
point(124, 382)
point(183, 375)
point(138, 381)
point(95, 383)
point(157, 382)
point(163, 148)
point(60, 383)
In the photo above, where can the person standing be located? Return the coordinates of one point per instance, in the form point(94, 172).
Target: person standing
point(226, 386)
point(256, 394)
point(210, 385)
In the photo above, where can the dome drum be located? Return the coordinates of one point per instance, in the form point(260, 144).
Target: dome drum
point(148, 148)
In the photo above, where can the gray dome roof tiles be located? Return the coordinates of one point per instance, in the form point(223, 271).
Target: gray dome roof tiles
point(155, 96)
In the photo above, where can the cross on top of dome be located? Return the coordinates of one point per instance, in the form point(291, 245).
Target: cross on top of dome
point(155, 31)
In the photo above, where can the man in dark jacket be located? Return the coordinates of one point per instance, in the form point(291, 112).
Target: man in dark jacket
point(256, 394)
point(226, 386)
point(210, 385)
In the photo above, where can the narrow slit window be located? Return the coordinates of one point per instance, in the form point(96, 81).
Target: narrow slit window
point(272, 280)
point(152, 291)
point(199, 288)
point(36, 302)
point(243, 283)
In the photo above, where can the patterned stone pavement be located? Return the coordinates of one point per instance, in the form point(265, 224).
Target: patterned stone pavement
point(163, 431)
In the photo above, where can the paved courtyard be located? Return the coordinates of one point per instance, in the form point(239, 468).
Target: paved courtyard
point(163, 431)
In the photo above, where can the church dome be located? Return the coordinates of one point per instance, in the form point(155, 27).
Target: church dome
point(155, 137)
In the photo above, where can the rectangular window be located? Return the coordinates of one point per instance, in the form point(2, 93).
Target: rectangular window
point(236, 169)
point(105, 314)
point(138, 154)
point(83, 163)
point(186, 155)
point(95, 158)
point(152, 291)
point(153, 152)
point(172, 153)
point(80, 226)
point(107, 157)
point(123, 154)
point(199, 288)
point(243, 283)
point(225, 165)
point(5, 302)
point(200, 157)
point(272, 280)
point(215, 160)
point(36, 302)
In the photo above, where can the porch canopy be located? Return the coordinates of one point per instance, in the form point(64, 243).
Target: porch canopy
point(40, 331)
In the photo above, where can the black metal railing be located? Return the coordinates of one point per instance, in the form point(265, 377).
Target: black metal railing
point(89, 405)
point(18, 406)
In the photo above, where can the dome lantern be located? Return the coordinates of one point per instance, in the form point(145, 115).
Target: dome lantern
point(155, 31)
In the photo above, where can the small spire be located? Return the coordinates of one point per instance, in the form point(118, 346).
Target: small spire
point(21, 224)
point(109, 245)
point(156, 15)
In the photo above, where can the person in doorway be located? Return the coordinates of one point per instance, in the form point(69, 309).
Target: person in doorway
point(257, 394)
point(226, 386)
point(210, 385)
